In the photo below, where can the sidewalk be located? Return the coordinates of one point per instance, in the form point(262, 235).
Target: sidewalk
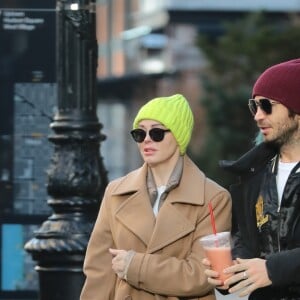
point(229, 297)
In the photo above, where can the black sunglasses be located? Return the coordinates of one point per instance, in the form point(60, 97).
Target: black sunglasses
point(264, 104)
point(156, 134)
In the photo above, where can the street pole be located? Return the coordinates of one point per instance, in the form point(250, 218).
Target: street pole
point(76, 176)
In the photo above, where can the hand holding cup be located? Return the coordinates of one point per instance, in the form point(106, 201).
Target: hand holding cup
point(217, 248)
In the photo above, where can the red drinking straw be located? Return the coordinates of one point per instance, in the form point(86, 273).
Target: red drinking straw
point(212, 218)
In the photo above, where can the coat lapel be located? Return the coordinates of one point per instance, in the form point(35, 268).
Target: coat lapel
point(136, 214)
point(170, 226)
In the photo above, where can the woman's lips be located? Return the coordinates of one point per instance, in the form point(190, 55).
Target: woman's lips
point(149, 151)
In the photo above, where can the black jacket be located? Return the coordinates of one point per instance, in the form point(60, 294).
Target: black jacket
point(283, 264)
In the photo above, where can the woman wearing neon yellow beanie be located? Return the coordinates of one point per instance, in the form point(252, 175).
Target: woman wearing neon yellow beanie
point(145, 243)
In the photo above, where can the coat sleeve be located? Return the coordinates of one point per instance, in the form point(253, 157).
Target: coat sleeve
point(100, 278)
point(243, 225)
point(239, 248)
point(288, 262)
point(185, 276)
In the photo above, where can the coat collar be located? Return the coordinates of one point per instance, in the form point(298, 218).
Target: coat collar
point(252, 161)
point(187, 191)
point(171, 224)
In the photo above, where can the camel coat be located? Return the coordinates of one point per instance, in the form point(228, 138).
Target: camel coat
point(167, 263)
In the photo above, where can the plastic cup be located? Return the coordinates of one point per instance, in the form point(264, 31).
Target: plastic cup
point(217, 248)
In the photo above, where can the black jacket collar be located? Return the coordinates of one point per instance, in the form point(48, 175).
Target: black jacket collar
point(251, 161)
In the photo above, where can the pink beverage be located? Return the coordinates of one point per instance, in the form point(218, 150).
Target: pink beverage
point(220, 258)
point(217, 248)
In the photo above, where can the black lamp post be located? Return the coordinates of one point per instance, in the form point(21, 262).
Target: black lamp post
point(76, 176)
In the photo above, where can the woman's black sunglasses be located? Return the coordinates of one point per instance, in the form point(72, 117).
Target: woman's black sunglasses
point(264, 104)
point(156, 134)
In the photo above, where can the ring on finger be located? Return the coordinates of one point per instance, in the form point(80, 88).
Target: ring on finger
point(245, 276)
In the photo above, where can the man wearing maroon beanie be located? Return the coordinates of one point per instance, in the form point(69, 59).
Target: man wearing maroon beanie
point(266, 200)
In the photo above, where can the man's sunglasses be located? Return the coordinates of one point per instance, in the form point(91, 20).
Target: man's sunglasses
point(264, 104)
point(156, 134)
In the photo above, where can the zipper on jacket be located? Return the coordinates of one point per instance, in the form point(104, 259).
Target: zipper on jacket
point(278, 227)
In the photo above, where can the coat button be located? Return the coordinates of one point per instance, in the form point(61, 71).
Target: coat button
point(128, 297)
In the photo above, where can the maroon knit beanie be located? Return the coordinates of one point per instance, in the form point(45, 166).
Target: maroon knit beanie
point(281, 82)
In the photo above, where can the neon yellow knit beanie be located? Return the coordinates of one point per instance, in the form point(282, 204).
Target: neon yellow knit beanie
point(174, 113)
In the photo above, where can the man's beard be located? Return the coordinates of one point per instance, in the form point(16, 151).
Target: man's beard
point(285, 135)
